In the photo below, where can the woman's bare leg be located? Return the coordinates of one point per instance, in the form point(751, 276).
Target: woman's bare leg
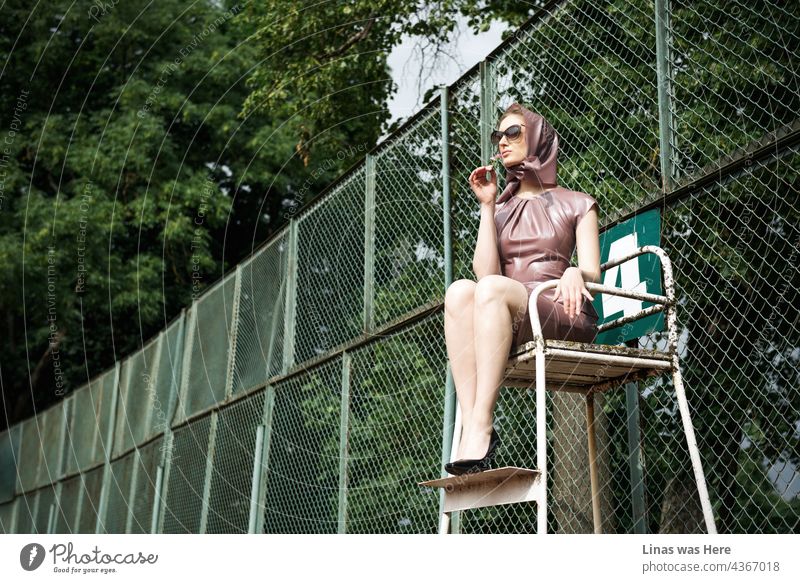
point(459, 337)
point(498, 302)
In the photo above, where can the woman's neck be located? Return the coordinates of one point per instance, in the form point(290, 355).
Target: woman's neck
point(528, 189)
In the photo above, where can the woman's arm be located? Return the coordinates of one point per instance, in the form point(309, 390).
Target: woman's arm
point(571, 286)
point(486, 260)
point(587, 240)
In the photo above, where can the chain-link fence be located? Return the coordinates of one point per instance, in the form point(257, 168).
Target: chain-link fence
point(308, 390)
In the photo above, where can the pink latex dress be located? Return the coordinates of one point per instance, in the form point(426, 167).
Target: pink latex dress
point(535, 241)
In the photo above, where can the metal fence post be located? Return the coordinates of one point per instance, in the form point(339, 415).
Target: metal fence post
point(448, 423)
point(664, 79)
point(212, 442)
point(666, 150)
point(132, 489)
point(487, 116)
point(369, 244)
point(182, 353)
point(344, 422)
point(255, 480)
point(487, 101)
point(66, 410)
point(234, 334)
point(112, 423)
point(79, 506)
point(635, 468)
point(156, 520)
point(34, 511)
point(153, 370)
point(14, 435)
point(269, 405)
point(162, 484)
point(12, 528)
point(51, 518)
point(291, 298)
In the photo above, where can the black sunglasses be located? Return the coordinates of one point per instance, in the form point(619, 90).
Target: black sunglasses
point(513, 132)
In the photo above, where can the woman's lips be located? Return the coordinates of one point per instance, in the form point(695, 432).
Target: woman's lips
point(503, 154)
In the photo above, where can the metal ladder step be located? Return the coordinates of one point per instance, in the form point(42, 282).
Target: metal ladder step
point(506, 485)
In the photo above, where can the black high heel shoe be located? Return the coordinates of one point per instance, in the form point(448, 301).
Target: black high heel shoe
point(472, 466)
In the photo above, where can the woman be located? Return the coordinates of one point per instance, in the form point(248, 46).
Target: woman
point(526, 237)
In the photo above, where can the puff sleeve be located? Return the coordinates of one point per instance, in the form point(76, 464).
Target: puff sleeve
point(582, 204)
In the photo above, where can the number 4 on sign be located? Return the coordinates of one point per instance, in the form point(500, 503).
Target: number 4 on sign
point(625, 276)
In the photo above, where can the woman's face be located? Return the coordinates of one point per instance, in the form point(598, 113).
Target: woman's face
point(513, 151)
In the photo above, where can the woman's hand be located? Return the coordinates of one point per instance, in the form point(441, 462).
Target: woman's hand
point(572, 290)
point(484, 190)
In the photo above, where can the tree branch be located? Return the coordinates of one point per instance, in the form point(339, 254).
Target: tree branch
point(360, 35)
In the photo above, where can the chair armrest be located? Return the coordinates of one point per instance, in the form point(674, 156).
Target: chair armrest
point(662, 301)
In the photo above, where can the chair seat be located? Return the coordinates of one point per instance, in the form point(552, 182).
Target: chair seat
point(579, 367)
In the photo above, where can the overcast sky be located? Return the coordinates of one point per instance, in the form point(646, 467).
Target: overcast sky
point(465, 49)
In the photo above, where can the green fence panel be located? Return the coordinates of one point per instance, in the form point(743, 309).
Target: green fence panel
point(7, 517)
point(10, 463)
point(208, 344)
point(302, 475)
point(46, 497)
point(66, 521)
point(395, 431)
point(88, 423)
point(232, 473)
point(30, 451)
point(186, 478)
point(50, 424)
point(135, 402)
point(330, 270)
point(408, 246)
point(119, 494)
point(261, 318)
point(146, 467)
point(26, 513)
point(735, 74)
point(166, 381)
point(90, 500)
point(80, 437)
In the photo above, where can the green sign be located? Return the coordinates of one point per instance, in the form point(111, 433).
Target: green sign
point(642, 273)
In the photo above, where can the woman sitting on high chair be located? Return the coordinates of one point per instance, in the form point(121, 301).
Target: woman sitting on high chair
point(526, 237)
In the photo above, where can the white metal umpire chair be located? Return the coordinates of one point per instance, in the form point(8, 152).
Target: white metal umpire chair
point(577, 367)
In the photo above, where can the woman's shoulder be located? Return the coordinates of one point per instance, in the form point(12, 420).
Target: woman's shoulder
point(574, 197)
point(575, 203)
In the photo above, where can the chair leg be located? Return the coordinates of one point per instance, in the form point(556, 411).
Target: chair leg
point(541, 439)
point(598, 528)
point(694, 453)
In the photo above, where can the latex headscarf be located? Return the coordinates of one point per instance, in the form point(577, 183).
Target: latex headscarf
point(540, 165)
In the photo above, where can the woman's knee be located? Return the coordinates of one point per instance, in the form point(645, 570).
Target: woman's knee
point(460, 294)
point(498, 288)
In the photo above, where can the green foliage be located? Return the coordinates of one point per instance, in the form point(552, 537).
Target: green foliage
point(118, 168)
point(328, 60)
point(172, 139)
